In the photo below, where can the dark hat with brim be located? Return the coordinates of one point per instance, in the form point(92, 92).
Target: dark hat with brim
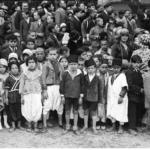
point(136, 58)
point(74, 35)
point(73, 59)
point(90, 62)
point(117, 62)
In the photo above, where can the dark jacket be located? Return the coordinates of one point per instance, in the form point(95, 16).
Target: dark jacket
point(24, 28)
point(74, 46)
point(72, 88)
point(75, 24)
point(135, 84)
point(105, 17)
point(52, 41)
point(92, 90)
point(7, 51)
point(17, 20)
point(118, 51)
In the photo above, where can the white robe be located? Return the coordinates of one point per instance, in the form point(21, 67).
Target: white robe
point(117, 111)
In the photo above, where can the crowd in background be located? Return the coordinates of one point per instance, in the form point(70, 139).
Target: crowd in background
point(88, 62)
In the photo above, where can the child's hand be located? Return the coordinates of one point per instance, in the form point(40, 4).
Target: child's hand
point(80, 101)
point(120, 100)
point(45, 95)
point(6, 101)
point(22, 101)
point(63, 100)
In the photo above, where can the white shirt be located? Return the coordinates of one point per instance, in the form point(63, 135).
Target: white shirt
point(91, 77)
point(27, 20)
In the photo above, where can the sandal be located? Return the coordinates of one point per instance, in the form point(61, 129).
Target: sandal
point(29, 129)
point(12, 129)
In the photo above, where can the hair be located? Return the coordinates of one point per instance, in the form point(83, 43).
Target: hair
point(40, 5)
point(31, 58)
point(63, 49)
point(98, 19)
point(80, 51)
point(62, 59)
point(76, 10)
point(51, 27)
point(47, 51)
point(90, 4)
point(14, 63)
point(89, 12)
point(29, 40)
point(80, 59)
point(11, 37)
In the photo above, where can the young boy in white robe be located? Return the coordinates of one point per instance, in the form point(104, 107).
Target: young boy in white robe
point(117, 100)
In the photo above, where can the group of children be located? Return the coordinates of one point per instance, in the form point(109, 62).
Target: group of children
point(52, 79)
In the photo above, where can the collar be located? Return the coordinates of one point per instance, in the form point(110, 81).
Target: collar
point(106, 12)
point(12, 49)
point(76, 17)
point(91, 75)
point(78, 71)
point(28, 19)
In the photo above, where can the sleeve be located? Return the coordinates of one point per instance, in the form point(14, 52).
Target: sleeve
point(22, 82)
point(57, 18)
point(7, 83)
point(44, 75)
point(92, 34)
point(132, 87)
point(123, 92)
point(113, 51)
point(83, 29)
point(100, 98)
point(71, 23)
point(82, 85)
point(62, 84)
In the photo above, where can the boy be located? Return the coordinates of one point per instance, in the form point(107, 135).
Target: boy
point(30, 44)
point(81, 52)
point(12, 42)
point(40, 55)
point(71, 90)
point(81, 65)
point(117, 100)
point(92, 94)
point(89, 54)
point(135, 95)
point(64, 52)
point(104, 76)
point(51, 74)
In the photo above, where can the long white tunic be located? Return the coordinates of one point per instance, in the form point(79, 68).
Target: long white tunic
point(117, 111)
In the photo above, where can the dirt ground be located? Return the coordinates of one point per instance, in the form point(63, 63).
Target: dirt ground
point(54, 139)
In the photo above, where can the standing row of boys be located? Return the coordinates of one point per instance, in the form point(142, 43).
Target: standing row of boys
point(49, 81)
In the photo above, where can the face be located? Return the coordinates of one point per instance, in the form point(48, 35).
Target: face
point(39, 8)
point(14, 69)
point(64, 29)
point(66, 54)
point(82, 6)
point(12, 43)
point(104, 45)
point(52, 55)
point(116, 69)
point(84, 55)
point(30, 45)
point(31, 64)
point(25, 56)
point(56, 29)
point(33, 10)
point(32, 35)
point(62, 4)
point(73, 66)
point(2, 69)
point(79, 14)
point(25, 6)
point(24, 15)
point(40, 56)
point(18, 8)
point(91, 70)
point(127, 13)
point(101, 22)
point(36, 16)
point(110, 60)
point(89, 55)
point(52, 7)
point(121, 16)
point(109, 8)
point(96, 61)
point(81, 64)
point(103, 68)
point(49, 19)
point(2, 13)
point(64, 63)
point(124, 37)
point(93, 14)
point(92, 7)
point(136, 65)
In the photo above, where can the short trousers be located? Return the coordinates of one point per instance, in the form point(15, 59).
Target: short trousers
point(90, 105)
point(71, 102)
